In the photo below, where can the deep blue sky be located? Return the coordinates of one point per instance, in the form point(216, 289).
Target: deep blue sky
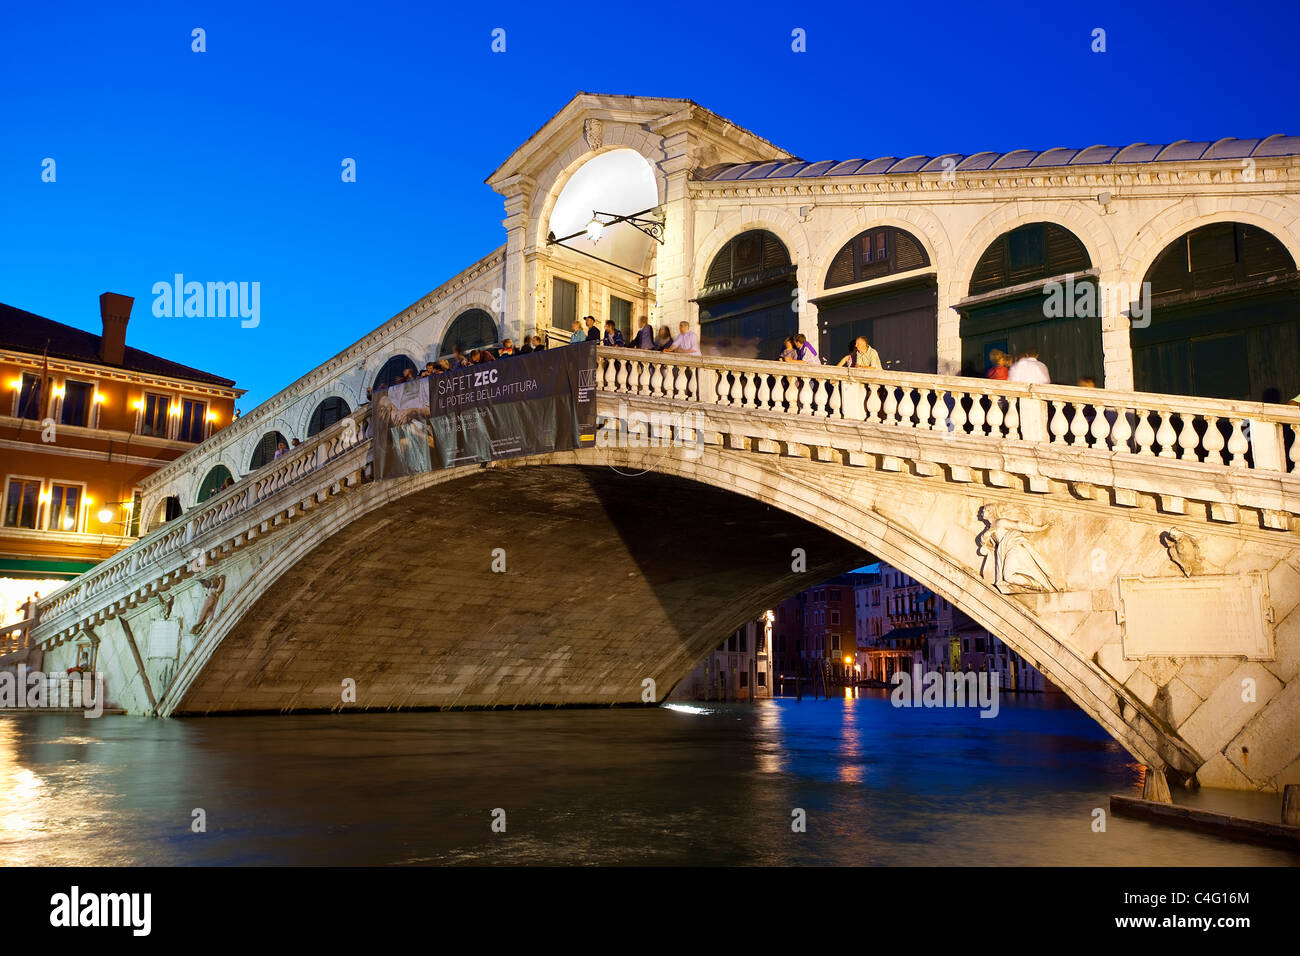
point(225, 165)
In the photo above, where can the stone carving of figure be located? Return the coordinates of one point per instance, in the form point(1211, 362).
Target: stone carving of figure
point(1017, 568)
point(214, 585)
point(594, 132)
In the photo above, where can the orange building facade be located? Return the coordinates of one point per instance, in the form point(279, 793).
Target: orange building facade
point(83, 418)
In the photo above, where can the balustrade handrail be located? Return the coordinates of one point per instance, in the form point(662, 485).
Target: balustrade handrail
point(247, 492)
point(1074, 394)
point(1213, 432)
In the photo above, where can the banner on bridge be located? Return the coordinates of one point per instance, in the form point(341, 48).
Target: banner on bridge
point(518, 405)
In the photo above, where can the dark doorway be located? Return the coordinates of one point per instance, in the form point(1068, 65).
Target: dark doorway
point(748, 304)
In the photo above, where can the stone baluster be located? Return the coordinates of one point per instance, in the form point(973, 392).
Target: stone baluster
point(657, 380)
point(1213, 441)
point(1188, 440)
point(923, 410)
point(683, 383)
point(806, 397)
point(764, 393)
point(891, 405)
point(995, 416)
point(1100, 427)
point(1013, 418)
point(1237, 445)
point(835, 401)
point(1294, 453)
point(1057, 425)
point(621, 384)
point(750, 390)
point(906, 408)
point(1166, 436)
point(1145, 435)
point(976, 416)
point(778, 392)
point(957, 414)
point(1079, 427)
point(873, 403)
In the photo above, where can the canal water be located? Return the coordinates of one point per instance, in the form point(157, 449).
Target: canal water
point(685, 784)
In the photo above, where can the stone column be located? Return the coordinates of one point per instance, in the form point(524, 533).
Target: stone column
point(675, 283)
point(1116, 345)
point(516, 301)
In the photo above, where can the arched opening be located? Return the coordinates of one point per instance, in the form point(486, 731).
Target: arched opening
point(169, 509)
point(472, 329)
point(266, 448)
point(327, 413)
point(214, 481)
point(1224, 319)
point(1030, 291)
point(747, 304)
point(900, 318)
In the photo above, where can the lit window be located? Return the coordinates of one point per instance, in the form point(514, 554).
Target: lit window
point(65, 508)
point(154, 420)
point(21, 503)
point(193, 414)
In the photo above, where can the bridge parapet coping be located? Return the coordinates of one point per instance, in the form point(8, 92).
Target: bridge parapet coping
point(256, 505)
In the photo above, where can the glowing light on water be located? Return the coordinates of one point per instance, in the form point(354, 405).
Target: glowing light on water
point(687, 709)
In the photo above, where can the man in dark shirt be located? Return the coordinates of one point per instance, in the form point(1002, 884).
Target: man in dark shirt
point(593, 330)
point(645, 336)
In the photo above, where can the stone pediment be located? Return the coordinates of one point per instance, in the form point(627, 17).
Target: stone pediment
point(591, 118)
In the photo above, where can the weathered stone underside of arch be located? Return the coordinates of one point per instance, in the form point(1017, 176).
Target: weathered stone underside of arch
point(609, 579)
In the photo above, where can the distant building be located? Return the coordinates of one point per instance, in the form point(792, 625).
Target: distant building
point(83, 418)
point(740, 668)
point(902, 624)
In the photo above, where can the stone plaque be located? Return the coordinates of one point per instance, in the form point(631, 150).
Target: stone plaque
point(1212, 615)
point(162, 640)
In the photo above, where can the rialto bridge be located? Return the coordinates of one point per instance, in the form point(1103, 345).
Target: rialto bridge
point(1138, 546)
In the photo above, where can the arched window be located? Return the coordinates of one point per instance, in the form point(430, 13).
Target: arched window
point(745, 305)
point(899, 318)
point(213, 482)
point(874, 253)
point(1028, 292)
point(327, 413)
point(169, 509)
point(265, 450)
point(1224, 319)
point(472, 329)
point(393, 370)
point(1039, 250)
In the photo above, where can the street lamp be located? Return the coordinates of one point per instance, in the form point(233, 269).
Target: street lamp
point(595, 228)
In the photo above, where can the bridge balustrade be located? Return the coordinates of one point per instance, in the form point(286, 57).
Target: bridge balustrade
point(1249, 435)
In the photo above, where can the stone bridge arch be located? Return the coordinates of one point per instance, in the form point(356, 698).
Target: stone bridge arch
point(354, 594)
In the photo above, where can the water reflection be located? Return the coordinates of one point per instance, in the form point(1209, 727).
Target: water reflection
point(704, 785)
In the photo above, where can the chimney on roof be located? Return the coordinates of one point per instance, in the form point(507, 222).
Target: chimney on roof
point(115, 310)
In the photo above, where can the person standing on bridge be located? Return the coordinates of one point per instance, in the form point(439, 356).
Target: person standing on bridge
point(1028, 369)
point(613, 335)
point(1001, 365)
point(806, 351)
point(578, 335)
point(593, 330)
point(645, 336)
point(688, 343)
point(862, 356)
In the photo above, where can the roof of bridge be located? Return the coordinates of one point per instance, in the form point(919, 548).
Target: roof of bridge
point(27, 332)
point(1180, 151)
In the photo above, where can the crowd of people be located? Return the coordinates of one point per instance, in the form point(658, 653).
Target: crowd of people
point(685, 341)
